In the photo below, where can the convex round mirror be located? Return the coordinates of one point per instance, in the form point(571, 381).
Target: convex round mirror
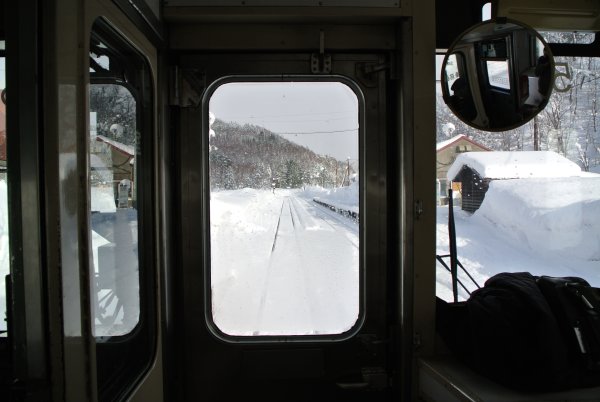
point(498, 75)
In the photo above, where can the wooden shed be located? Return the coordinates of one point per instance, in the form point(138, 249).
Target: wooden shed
point(472, 188)
point(446, 153)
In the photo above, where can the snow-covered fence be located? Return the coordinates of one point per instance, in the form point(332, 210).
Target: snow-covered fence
point(345, 212)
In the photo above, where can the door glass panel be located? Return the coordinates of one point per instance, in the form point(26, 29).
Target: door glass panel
point(122, 209)
point(497, 71)
point(284, 208)
point(114, 216)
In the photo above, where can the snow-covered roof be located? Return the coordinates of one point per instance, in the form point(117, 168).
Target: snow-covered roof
point(126, 149)
point(515, 165)
point(456, 138)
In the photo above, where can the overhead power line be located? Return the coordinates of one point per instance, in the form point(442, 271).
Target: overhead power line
point(320, 132)
point(237, 117)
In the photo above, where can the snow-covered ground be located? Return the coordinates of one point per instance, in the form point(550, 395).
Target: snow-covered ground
point(345, 198)
point(543, 226)
point(281, 264)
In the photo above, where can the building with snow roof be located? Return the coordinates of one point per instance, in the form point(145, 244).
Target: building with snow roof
point(475, 170)
point(113, 161)
point(446, 153)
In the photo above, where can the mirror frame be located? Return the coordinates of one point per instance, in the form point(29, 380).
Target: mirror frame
point(499, 48)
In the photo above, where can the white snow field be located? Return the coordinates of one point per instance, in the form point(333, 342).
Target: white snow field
point(282, 264)
point(546, 226)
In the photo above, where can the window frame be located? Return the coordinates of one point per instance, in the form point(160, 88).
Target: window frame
point(487, 76)
point(125, 359)
point(213, 329)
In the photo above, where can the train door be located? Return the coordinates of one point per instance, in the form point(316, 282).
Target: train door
point(272, 305)
point(83, 300)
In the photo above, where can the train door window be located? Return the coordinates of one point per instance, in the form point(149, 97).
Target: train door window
point(284, 208)
point(486, 11)
point(497, 74)
point(120, 177)
point(114, 214)
point(528, 199)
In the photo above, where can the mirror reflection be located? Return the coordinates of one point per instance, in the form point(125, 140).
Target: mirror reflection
point(497, 75)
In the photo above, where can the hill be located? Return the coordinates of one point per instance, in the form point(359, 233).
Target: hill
point(251, 156)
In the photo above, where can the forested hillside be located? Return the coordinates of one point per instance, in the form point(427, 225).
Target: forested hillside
point(568, 125)
point(252, 156)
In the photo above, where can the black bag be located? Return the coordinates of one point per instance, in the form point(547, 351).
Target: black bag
point(507, 332)
point(518, 330)
point(576, 306)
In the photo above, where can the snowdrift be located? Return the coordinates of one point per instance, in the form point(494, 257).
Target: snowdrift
point(342, 197)
point(559, 215)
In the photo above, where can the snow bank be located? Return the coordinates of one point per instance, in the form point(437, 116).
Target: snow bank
point(549, 215)
point(515, 165)
point(543, 226)
point(346, 198)
point(281, 264)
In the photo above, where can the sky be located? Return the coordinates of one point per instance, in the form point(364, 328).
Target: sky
point(323, 116)
point(306, 109)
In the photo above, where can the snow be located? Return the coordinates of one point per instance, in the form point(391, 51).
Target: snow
point(103, 198)
point(448, 128)
point(543, 226)
point(281, 264)
point(345, 198)
point(118, 263)
point(115, 255)
point(555, 215)
point(126, 149)
point(444, 144)
point(515, 165)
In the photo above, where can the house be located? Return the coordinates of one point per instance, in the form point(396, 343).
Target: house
point(447, 151)
point(475, 170)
